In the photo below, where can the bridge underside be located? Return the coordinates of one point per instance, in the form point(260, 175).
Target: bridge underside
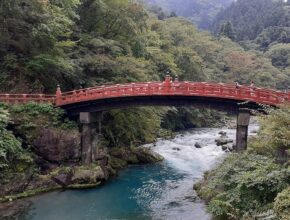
point(89, 109)
point(228, 105)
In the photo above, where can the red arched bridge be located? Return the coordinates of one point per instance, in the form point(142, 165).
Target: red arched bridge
point(199, 90)
point(86, 102)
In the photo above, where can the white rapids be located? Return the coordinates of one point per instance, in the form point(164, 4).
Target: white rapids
point(180, 154)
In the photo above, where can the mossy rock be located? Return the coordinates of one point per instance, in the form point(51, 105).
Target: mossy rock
point(117, 163)
point(29, 193)
point(146, 155)
point(87, 174)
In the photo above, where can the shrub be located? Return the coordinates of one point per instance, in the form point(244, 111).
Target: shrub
point(243, 184)
point(282, 204)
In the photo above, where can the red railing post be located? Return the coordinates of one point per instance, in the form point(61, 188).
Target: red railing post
point(58, 96)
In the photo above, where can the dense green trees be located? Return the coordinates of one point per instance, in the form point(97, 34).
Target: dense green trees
point(250, 18)
point(274, 133)
point(200, 12)
point(35, 37)
point(259, 25)
point(226, 30)
point(245, 187)
point(11, 151)
point(253, 184)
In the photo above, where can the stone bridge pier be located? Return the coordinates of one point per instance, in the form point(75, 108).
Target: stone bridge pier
point(90, 129)
point(243, 120)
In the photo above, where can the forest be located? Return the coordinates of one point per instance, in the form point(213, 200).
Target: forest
point(200, 12)
point(82, 43)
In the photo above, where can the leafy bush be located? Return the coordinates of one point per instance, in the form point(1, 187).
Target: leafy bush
point(274, 133)
point(29, 119)
point(282, 204)
point(130, 127)
point(11, 152)
point(243, 184)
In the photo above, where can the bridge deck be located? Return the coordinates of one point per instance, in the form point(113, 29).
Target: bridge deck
point(152, 89)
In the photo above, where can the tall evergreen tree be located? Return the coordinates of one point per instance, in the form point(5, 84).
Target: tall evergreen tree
point(227, 30)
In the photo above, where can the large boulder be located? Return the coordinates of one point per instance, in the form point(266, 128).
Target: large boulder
point(120, 157)
point(78, 175)
point(87, 175)
point(58, 146)
point(62, 176)
point(146, 155)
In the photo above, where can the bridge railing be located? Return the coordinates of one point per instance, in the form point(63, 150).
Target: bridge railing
point(220, 90)
point(25, 98)
point(217, 90)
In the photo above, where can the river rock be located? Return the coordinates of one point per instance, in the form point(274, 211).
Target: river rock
point(176, 148)
point(224, 147)
point(222, 133)
point(197, 145)
point(63, 177)
point(145, 155)
point(58, 146)
point(87, 174)
point(227, 147)
point(223, 141)
point(231, 148)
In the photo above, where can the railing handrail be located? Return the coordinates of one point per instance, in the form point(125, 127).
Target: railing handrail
point(185, 88)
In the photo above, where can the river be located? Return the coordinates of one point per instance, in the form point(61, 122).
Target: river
point(162, 191)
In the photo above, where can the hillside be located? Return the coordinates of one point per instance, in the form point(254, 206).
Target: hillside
point(200, 12)
point(259, 25)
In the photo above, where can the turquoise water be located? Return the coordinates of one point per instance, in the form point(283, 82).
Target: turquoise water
point(162, 191)
point(130, 196)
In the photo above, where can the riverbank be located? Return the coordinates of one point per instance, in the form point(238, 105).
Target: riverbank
point(150, 191)
point(41, 151)
point(254, 184)
point(246, 186)
point(82, 177)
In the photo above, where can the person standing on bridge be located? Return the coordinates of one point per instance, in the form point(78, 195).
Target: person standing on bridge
point(252, 88)
point(237, 84)
point(252, 85)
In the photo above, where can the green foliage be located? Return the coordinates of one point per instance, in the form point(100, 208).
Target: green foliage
point(33, 38)
point(250, 17)
point(274, 133)
point(30, 118)
point(273, 35)
point(227, 30)
point(130, 127)
point(11, 151)
point(282, 204)
point(243, 185)
point(185, 118)
point(200, 12)
point(279, 55)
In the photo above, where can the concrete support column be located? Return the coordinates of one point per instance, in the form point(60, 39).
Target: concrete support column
point(243, 121)
point(89, 135)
